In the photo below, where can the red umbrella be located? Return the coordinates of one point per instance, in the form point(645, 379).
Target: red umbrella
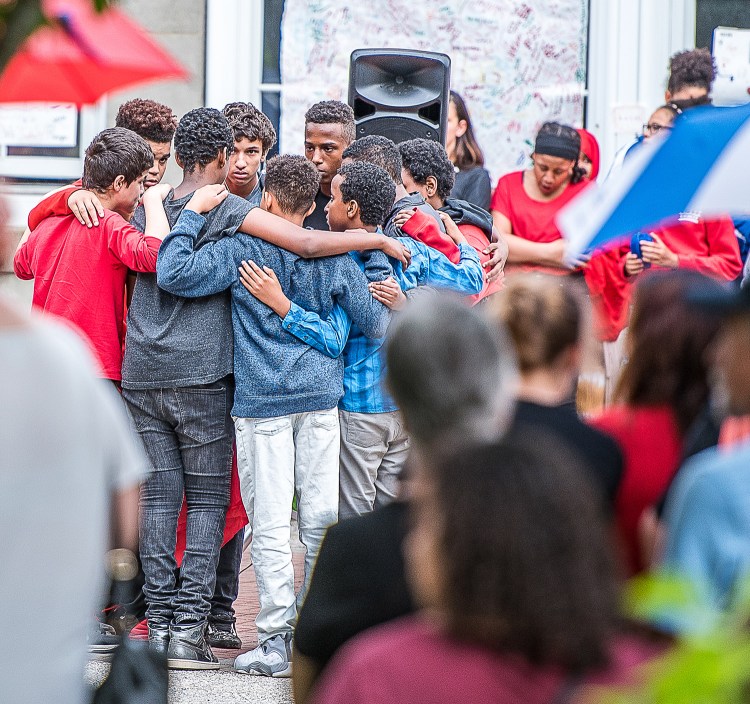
point(83, 56)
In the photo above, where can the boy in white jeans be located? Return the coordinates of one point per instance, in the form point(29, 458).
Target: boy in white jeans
point(286, 392)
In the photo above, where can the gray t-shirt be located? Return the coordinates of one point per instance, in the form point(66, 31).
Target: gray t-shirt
point(173, 341)
point(55, 505)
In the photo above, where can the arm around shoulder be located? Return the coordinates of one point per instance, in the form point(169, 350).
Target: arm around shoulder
point(184, 271)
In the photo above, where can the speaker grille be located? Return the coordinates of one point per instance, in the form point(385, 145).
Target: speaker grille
point(399, 128)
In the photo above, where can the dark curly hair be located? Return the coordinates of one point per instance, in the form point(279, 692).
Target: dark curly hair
point(377, 150)
point(695, 67)
point(249, 122)
point(115, 152)
point(533, 574)
point(151, 120)
point(201, 134)
point(371, 187)
point(329, 112)
point(667, 339)
point(425, 157)
point(293, 181)
point(467, 152)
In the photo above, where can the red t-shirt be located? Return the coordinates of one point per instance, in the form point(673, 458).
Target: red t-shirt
point(651, 446)
point(79, 274)
point(54, 204)
point(409, 660)
point(533, 220)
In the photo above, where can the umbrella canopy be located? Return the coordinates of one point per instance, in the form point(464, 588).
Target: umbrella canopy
point(701, 166)
point(83, 56)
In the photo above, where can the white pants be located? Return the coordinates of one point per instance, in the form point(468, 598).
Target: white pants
point(276, 458)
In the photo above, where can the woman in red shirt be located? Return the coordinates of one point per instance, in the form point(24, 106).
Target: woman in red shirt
point(525, 203)
point(662, 391)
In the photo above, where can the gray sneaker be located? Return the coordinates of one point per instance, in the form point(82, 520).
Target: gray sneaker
point(273, 658)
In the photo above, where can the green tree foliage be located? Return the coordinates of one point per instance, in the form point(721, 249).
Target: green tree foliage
point(709, 662)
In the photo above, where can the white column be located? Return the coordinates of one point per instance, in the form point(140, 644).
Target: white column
point(234, 40)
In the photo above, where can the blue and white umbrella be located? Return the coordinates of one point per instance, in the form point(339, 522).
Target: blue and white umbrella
point(702, 166)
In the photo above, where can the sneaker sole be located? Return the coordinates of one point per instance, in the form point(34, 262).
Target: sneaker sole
point(102, 648)
point(175, 664)
point(263, 671)
point(101, 657)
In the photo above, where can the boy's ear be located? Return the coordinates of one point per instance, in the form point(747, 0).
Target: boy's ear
point(119, 183)
point(178, 160)
point(266, 200)
point(431, 186)
point(222, 158)
point(311, 210)
point(352, 209)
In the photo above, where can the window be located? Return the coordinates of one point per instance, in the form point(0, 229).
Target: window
point(270, 87)
point(719, 13)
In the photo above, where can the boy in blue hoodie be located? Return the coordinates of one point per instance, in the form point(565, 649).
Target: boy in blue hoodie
point(374, 443)
point(286, 391)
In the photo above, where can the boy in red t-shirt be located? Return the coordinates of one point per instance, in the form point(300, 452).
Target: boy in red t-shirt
point(80, 272)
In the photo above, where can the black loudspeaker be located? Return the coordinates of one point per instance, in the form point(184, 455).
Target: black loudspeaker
point(399, 93)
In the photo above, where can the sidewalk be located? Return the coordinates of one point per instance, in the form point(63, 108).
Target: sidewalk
point(225, 686)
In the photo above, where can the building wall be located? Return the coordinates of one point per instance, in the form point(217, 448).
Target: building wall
point(180, 28)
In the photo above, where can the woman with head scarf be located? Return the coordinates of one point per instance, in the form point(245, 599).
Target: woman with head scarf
point(525, 203)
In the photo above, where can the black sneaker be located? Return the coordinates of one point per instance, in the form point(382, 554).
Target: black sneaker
point(188, 649)
point(223, 635)
point(102, 638)
point(158, 638)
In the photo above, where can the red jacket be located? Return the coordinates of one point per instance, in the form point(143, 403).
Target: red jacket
point(707, 246)
point(423, 228)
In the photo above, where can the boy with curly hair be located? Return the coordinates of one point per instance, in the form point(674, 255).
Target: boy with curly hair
point(156, 123)
point(254, 136)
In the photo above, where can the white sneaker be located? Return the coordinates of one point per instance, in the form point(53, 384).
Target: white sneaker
point(273, 658)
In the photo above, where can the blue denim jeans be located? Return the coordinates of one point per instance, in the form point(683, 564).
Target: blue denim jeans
point(188, 435)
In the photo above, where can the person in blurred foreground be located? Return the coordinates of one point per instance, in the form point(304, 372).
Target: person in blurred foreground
point(507, 555)
point(708, 508)
point(70, 471)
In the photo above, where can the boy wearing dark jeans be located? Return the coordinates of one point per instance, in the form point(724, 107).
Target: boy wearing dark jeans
point(254, 136)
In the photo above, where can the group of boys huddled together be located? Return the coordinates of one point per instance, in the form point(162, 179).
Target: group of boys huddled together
point(250, 338)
